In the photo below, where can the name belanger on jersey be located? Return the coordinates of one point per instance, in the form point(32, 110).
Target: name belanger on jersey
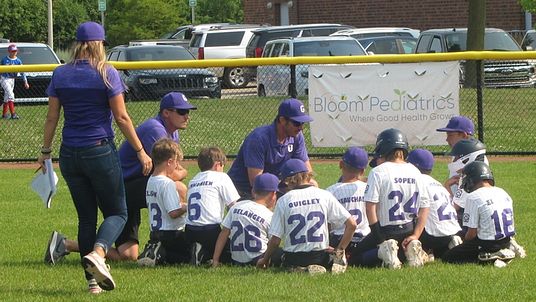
point(352, 199)
point(305, 202)
point(404, 180)
point(249, 214)
point(201, 184)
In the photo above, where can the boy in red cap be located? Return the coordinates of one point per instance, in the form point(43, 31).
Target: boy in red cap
point(7, 80)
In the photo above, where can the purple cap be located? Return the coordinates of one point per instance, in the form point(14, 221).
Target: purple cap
point(90, 31)
point(291, 167)
point(356, 158)
point(175, 100)
point(294, 110)
point(12, 47)
point(422, 159)
point(266, 182)
point(459, 123)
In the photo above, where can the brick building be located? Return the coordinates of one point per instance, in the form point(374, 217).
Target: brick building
point(423, 14)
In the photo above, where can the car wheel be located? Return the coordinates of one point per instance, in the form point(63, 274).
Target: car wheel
point(235, 77)
point(216, 94)
point(261, 91)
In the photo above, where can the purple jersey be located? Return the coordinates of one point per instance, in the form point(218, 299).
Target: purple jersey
point(85, 101)
point(149, 132)
point(261, 150)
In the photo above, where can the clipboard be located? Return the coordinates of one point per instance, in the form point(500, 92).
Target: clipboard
point(45, 184)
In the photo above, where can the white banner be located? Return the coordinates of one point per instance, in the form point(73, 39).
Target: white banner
point(351, 104)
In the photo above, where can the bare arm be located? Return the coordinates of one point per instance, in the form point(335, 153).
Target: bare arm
point(273, 244)
point(350, 226)
point(220, 244)
point(178, 212)
point(252, 173)
point(371, 212)
point(471, 234)
point(51, 122)
point(117, 104)
point(419, 227)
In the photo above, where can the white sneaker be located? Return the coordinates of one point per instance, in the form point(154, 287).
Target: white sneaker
point(388, 253)
point(499, 263)
point(455, 241)
point(150, 255)
point(96, 266)
point(503, 254)
point(415, 255)
point(339, 262)
point(517, 248)
point(315, 269)
point(92, 287)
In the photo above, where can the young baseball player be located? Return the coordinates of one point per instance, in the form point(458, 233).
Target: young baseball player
point(441, 229)
point(209, 192)
point(350, 191)
point(167, 244)
point(489, 216)
point(301, 219)
point(7, 80)
point(247, 224)
point(397, 206)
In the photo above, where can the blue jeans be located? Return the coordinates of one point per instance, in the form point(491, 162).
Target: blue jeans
point(95, 180)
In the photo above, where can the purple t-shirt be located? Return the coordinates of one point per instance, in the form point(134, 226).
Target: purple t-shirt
point(85, 101)
point(149, 132)
point(261, 150)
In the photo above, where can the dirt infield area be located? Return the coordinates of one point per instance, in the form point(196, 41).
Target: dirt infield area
point(187, 163)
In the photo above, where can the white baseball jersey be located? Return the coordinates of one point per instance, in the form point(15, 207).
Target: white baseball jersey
point(351, 197)
point(442, 219)
point(459, 197)
point(399, 192)
point(162, 197)
point(301, 219)
point(490, 211)
point(208, 194)
point(249, 223)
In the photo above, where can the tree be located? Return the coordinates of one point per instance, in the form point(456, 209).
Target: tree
point(211, 11)
point(24, 21)
point(475, 38)
point(528, 5)
point(68, 15)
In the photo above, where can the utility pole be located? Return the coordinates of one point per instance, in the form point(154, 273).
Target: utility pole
point(50, 26)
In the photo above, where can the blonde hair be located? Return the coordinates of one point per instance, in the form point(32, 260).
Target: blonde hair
point(298, 179)
point(165, 149)
point(94, 52)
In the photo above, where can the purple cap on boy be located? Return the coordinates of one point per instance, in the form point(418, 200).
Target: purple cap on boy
point(175, 100)
point(12, 47)
point(90, 31)
point(356, 158)
point(294, 110)
point(291, 167)
point(422, 159)
point(266, 182)
point(459, 123)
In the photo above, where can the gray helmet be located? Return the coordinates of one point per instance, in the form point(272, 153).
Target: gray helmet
point(474, 173)
point(387, 141)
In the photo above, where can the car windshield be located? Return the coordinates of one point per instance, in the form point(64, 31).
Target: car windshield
point(492, 41)
point(35, 55)
point(158, 54)
point(328, 48)
point(530, 40)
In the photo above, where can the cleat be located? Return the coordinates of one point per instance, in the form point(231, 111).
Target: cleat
point(339, 263)
point(56, 249)
point(415, 255)
point(96, 266)
point(315, 269)
point(517, 248)
point(388, 253)
point(196, 256)
point(455, 240)
point(93, 287)
point(5, 116)
point(15, 116)
point(151, 255)
point(503, 254)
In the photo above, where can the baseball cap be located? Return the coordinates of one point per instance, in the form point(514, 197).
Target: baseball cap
point(12, 47)
point(356, 158)
point(175, 100)
point(422, 159)
point(294, 110)
point(291, 167)
point(459, 123)
point(266, 182)
point(90, 31)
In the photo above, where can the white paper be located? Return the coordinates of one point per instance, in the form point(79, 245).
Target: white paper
point(44, 184)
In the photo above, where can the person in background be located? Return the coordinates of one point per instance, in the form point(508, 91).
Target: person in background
point(90, 92)
point(7, 80)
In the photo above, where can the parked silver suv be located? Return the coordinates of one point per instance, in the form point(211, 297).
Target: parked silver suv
point(516, 73)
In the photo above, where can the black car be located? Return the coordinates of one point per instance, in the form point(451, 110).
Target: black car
point(155, 83)
point(32, 53)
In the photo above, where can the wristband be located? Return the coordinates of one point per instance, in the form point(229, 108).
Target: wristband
point(138, 151)
point(45, 150)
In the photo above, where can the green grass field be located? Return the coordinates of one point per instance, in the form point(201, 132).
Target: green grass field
point(26, 225)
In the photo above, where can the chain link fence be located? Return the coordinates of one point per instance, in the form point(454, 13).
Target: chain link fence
point(504, 117)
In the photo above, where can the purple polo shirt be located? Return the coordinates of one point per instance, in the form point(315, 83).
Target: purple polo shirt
point(261, 150)
point(149, 132)
point(85, 101)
